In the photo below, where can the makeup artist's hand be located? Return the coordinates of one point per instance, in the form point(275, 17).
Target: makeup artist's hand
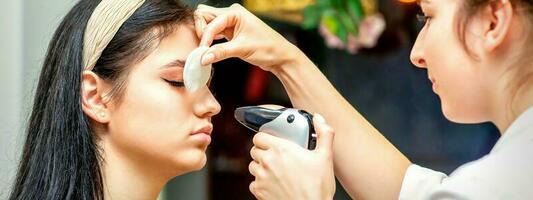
point(284, 170)
point(248, 37)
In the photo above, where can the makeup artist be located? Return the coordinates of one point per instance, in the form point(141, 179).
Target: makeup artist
point(478, 57)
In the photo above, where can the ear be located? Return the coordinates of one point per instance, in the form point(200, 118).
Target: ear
point(92, 94)
point(499, 15)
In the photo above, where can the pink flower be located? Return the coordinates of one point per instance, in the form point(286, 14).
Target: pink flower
point(332, 41)
point(370, 29)
point(353, 44)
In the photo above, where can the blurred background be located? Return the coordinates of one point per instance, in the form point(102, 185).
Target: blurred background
point(362, 46)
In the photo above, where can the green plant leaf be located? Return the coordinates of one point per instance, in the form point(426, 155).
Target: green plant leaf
point(351, 25)
point(337, 4)
point(311, 17)
point(330, 21)
point(323, 4)
point(355, 9)
point(342, 33)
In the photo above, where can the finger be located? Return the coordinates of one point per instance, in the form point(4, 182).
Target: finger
point(257, 153)
point(325, 134)
point(263, 158)
point(201, 19)
point(256, 190)
point(207, 16)
point(223, 51)
point(199, 24)
point(254, 168)
point(253, 188)
point(210, 9)
point(219, 37)
point(209, 13)
point(266, 141)
point(217, 26)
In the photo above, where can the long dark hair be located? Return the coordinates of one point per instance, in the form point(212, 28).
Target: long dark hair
point(61, 158)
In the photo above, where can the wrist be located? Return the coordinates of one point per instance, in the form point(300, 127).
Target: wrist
point(292, 60)
point(317, 190)
point(317, 194)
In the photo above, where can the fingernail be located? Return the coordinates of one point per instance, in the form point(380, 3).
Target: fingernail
point(208, 58)
point(319, 118)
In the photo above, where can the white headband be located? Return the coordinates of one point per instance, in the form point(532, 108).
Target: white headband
point(103, 24)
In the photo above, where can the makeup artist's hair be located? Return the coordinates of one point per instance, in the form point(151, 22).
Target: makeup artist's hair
point(61, 159)
point(471, 7)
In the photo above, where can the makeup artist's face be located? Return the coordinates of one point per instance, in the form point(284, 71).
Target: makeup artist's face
point(158, 122)
point(460, 81)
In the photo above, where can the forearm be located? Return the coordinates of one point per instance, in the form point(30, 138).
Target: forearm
point(366, 164)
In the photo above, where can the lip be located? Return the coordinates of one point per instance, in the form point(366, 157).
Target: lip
point(433, 84)
point(207, 129)
point(431, 78)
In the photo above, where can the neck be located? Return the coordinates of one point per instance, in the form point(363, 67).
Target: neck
point(513, 101)
point(128, 178)
point(513, 94)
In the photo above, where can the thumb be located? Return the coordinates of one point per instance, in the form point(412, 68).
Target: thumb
point(222, 51)
point(325, 134)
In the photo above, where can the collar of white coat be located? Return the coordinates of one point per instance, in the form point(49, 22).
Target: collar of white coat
point(520, 129)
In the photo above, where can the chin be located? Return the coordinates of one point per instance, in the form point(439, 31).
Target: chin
point(200, 164)
point(461, 115)
point(190, 161)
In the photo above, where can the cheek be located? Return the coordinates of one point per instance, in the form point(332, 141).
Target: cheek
point(153, 123)
point(461, 86)
point(151, 111)
point(157, 103)
point(459, 82)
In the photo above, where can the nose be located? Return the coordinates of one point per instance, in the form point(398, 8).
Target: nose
point(206, 105)
point(417, 53)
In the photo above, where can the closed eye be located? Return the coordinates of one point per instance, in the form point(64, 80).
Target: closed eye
point(174, 83)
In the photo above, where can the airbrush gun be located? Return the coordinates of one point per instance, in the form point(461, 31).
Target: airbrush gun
point(288, 123)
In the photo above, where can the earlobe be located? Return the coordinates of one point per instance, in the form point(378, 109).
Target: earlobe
point(501, 13)
point(92, 93)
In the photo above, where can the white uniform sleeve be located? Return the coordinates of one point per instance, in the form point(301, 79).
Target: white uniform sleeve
point(418, 182)
point(463, 184)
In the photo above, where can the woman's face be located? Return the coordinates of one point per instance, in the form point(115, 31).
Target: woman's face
point(157, 122)
point(461, 82)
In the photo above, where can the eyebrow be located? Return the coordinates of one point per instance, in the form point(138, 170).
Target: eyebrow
point(175, 63)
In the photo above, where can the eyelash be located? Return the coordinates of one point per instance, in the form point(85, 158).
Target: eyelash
point(181, 84)
point(175, 83)
point(423, 18)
